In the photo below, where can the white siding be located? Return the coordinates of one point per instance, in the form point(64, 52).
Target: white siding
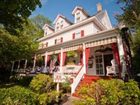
point(89, 29)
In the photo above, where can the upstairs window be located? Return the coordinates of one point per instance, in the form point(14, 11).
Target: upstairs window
point(78, 19)
point(59, 40)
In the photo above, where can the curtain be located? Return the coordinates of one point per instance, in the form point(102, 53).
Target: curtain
point(59, 57)
point(87, 55)
point(64, 58)
point(116, 55)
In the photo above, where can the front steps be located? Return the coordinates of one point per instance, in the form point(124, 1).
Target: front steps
point(87, 80)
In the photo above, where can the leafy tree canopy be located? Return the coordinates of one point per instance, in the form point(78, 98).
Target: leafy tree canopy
point(40, 21)
point(14, 12)
point(131, 12)
point(15, 47)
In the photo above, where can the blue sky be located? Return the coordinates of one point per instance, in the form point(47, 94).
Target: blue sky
point(50, 8)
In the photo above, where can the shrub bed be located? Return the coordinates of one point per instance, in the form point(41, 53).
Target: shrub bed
point(110, 92)
point(17, 95)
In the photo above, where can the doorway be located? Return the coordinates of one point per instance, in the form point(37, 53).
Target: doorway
point(107, 61)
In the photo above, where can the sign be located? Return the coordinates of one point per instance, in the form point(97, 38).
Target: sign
point(59, 77)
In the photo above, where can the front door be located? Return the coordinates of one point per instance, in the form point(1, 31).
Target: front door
point(107, 61)
point(99, 64)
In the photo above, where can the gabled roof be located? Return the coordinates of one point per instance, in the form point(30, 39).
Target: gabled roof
point(79, 8)
point(49, 26)
point(61, 16)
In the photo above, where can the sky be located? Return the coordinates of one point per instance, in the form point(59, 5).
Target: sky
point(51, 8)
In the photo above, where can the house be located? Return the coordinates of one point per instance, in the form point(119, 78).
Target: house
point(89, 46)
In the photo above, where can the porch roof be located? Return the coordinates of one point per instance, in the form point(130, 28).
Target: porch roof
point(101, 38)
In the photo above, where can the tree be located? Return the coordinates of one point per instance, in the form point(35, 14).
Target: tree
point(131, 18)
point(13, 47)
point(15, 12)
point(40, 21)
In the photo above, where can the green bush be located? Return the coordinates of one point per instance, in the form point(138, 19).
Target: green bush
point(17, 95)
point(42, 83)
point(44, 86)
point(110, 92)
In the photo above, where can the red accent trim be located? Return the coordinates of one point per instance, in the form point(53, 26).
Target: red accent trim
point(87, 57)
point(64, 58)
point(82, 33)
point(73, 36)
point(116, 55)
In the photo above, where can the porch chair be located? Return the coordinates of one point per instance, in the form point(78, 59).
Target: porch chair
point(112, 70)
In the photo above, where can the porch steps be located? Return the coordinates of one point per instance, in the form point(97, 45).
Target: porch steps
point(87, 80)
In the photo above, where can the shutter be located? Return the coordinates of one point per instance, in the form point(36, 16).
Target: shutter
point(73, 36)
point(61, 39)
point(55, 41)
point(82, 33)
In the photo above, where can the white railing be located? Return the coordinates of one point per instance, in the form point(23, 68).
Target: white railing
point(77, 80)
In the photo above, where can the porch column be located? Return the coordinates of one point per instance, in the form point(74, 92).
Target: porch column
point(34, 62)
point(25, 65)
point(12, 65)
point(84, 57)
point(46, 58)
point(61, 60)
point(121, 54)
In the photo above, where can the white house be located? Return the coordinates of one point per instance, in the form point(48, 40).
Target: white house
point(89, 46)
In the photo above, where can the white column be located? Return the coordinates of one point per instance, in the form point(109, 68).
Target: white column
point(46, 58)
point(25, 65)
point(84, 57)
point(121, 54)
point(12, 65)
point(61, 60)
point(34, 62)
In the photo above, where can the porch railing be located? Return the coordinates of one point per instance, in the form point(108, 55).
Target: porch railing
point(77, 80)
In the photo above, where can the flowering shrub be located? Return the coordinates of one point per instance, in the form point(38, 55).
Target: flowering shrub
point(110, 92)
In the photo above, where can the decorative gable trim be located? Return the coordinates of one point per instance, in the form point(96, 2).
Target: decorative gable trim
point(63, 17)
point(79, 8)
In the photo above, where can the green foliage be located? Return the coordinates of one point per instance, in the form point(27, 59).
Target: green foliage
point(65, 87)
point(40, 21)
point(17, 96)
point(16, 12)
point(42, 83)
point(71, 54)
point(23, 81)
point(110, 92)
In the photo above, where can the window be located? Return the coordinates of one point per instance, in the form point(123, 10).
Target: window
point(59, 40)
point(78, 13)
point(61, 26)
point(46, 44)
point(78, 19)
point(62, 21)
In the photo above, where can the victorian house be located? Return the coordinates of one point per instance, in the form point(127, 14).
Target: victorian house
point(89, 47)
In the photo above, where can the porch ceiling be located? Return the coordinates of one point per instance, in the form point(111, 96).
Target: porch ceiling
point(101, 38)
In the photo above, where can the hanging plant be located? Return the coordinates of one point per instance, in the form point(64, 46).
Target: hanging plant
point(71, 54)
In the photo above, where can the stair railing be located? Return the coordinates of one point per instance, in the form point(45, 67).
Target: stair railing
point(77, 80)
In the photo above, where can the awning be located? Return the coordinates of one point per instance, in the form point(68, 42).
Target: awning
point(101, 42)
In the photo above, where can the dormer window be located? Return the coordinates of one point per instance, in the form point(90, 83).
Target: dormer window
point(78, 13)
point(78, 19)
